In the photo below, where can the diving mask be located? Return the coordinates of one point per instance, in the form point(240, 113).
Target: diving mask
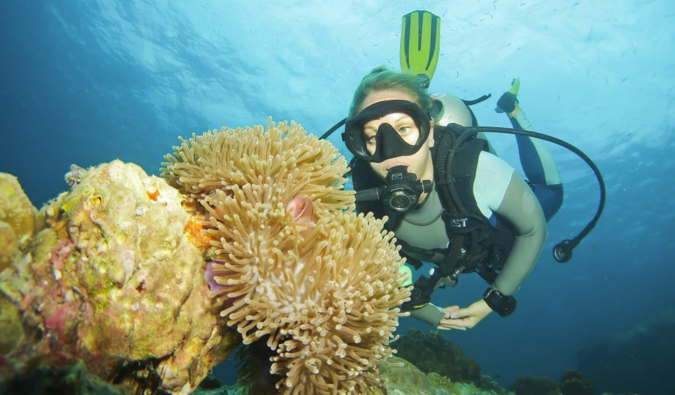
point(389, 143)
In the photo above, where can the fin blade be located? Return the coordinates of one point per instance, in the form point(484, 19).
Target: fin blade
point(515, 86)
point(420, 43)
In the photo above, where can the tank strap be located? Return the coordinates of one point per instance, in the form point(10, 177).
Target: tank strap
point(476, 101)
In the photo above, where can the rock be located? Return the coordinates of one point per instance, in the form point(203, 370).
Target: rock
point(110, 281)
point(17, 219)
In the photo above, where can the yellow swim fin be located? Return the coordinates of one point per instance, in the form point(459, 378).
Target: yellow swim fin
point(515, 86)
point(420, 43)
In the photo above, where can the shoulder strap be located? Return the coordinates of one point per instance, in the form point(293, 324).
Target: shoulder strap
point(455, 160)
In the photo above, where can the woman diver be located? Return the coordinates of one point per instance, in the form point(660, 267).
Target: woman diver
point(449, 200)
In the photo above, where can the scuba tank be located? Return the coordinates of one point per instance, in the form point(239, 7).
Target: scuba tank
point(451, 109)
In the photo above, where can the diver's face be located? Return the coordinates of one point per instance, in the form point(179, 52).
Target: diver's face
point(419, 163)
point(402, 123)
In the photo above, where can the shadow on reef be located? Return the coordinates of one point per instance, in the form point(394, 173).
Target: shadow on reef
point(253, 368)
point(72, 380)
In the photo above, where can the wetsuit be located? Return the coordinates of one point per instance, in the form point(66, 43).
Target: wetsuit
point(498, 191)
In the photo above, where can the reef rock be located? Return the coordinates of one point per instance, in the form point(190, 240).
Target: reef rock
point(107, 275)
point(17, 219)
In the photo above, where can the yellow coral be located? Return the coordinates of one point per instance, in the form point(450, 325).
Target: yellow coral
point(195, 235)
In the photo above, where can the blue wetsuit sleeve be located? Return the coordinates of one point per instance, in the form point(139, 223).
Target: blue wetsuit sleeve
point(539, 167)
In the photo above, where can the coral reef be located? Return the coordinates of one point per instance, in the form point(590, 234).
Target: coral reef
point(573, 383)
point(443, 362)
point(17, 220)
point(106, 288)
point(105, 276)
point(403, 378)
point(433, 352)
point(530, 385)
point(293, 264)
point(489, 384)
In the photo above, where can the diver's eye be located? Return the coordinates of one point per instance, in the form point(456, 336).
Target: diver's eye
point(408, 132)
point(371, 143)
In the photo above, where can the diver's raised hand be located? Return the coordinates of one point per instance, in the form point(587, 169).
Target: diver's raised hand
point(461, 319)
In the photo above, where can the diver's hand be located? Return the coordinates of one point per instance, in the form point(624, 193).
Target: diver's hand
point(508, 102)
point(456, 318)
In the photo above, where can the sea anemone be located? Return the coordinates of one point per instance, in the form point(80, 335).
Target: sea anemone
point(292, 261)
point(296, 163)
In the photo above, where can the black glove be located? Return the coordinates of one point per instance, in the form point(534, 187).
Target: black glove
point(507, 103)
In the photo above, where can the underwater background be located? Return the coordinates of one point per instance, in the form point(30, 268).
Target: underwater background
point(87, 82)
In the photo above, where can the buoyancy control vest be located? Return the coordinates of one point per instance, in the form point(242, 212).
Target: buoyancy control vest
point(475, 244)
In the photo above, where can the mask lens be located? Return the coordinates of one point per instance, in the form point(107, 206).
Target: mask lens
point(389, 143)
point(355, 140)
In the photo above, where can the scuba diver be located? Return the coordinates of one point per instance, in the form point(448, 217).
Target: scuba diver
point(490, 221)
point(422, 161)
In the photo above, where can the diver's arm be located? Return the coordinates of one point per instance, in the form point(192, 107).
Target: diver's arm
point(430, 314)
point(522, 211)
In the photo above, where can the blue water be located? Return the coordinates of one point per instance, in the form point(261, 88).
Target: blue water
point(87, 82)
